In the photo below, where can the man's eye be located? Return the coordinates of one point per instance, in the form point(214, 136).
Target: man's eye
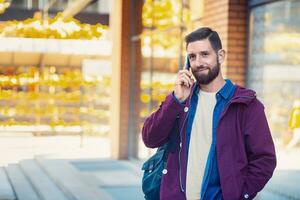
point(192, 57)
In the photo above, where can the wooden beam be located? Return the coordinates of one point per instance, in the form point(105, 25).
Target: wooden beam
point(125, 78)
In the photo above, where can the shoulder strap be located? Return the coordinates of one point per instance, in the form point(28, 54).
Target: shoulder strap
point(170, 146)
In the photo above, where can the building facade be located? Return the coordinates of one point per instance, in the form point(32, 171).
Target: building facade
point(262, 39)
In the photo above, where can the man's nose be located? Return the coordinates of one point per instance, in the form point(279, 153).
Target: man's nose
point(199, 61)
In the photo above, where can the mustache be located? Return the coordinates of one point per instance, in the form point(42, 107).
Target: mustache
point(201, 67)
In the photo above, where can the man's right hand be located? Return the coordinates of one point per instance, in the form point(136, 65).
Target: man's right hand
point(183, 85)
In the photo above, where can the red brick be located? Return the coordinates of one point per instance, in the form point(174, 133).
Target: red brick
point(237, 7)
point(237, 21)
point(228, 17)
point(242, 14)
point(241, 56)
point(236, 63)
point(238, 35)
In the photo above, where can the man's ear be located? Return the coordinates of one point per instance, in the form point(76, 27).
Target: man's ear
point(221, 55)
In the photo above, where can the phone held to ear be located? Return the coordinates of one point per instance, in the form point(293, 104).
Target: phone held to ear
point(187, 64)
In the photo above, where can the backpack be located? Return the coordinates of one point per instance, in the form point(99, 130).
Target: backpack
point(154, 166)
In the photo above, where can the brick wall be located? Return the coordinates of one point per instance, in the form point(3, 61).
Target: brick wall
point(229, 19)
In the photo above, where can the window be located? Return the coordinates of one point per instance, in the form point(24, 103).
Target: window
point(274, 61)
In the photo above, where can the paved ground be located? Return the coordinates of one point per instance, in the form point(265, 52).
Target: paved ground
point(25, 146)
point(121, 179)
point(284, 184)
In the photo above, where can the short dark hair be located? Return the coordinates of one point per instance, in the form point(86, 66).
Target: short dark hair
point(205, 33)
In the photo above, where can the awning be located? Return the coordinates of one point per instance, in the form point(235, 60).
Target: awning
point(47, 52)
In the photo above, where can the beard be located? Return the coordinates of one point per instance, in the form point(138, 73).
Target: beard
point(205, 79)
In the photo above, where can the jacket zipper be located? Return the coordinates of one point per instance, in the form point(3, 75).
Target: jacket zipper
point(180, 144)
point(180, 149)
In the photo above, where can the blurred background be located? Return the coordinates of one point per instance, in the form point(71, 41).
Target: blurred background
point(79, 77)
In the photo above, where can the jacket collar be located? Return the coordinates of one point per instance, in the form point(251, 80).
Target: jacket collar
point(227, 90)
point(243, 95)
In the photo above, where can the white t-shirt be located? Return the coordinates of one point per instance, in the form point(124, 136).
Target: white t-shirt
point(200, 142)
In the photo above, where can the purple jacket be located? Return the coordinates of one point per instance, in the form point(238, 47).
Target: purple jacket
point(245, 149)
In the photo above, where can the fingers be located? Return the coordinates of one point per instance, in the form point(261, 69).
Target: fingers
point(184, 71)
point(184, 78)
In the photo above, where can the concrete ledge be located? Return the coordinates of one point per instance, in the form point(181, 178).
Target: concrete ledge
point(6, 191)
point(42, 184)
point(22, 187)
point(67, 178)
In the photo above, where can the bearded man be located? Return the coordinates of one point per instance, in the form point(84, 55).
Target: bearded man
point(224, 148)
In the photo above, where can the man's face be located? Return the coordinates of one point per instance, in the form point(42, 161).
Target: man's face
point(204, 61)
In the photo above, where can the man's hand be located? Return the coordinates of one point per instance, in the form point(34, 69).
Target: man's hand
point(183, 85)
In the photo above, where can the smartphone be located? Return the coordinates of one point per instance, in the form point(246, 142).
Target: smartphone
point(187, 64)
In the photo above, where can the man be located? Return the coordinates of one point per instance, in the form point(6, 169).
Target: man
point(224, 149)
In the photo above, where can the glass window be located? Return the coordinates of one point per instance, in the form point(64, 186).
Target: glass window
point(60, 4)
point(163, 52)
point(18, 3)
point(274, 62)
